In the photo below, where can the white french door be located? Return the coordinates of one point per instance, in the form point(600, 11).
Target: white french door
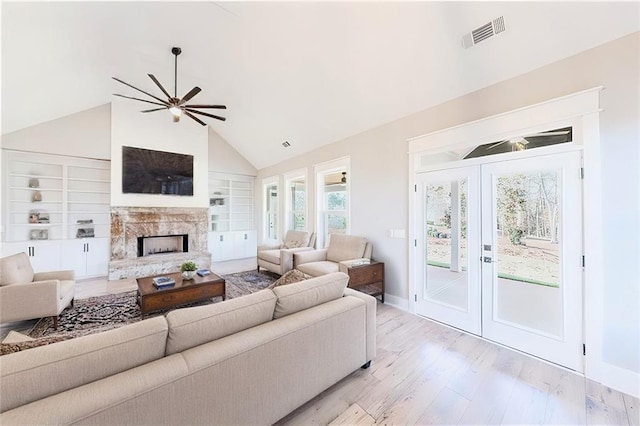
point(450, 208)
point(532, 256)
point(501, 251)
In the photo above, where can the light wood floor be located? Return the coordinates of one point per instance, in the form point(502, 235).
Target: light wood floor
point(426, 373)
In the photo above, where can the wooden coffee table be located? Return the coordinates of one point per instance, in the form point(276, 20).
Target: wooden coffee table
point(185, 291)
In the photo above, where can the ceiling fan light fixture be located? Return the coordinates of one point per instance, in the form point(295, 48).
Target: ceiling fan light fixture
point(176, 111)
point(177, 106)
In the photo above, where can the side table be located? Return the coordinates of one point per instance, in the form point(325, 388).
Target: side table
point(368, 279)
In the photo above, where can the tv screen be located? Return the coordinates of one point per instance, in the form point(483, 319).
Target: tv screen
point(145, 171)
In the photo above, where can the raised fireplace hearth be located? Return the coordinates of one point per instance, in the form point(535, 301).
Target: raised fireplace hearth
point(156, 240)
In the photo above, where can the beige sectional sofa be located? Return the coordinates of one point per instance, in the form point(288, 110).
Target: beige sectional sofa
point(250, 360)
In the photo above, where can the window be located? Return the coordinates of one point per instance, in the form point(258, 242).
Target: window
point(270, 209)
point(296, 200)
point(332, 180)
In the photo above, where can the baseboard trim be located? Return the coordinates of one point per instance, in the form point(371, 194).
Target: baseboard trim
point(396, 302)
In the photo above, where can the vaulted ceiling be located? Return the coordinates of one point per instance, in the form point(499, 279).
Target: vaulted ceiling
point(310, 73)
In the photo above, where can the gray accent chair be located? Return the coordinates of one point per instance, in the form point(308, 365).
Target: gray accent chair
point(27, 295)
point(278, 258)
point(342, 252)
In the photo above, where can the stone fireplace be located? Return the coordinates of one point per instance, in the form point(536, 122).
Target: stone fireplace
point(162, 244)
point(156, 240)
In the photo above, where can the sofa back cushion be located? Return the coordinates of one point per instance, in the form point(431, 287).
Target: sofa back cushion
point(37, 373)
point(16, 269)
point(189, 327)
point(306, 294)
point(345, 247)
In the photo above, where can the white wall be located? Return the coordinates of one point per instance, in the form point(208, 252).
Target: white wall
point(224, 158)
point(85, 134)
point(157, 131)
point(379, 177)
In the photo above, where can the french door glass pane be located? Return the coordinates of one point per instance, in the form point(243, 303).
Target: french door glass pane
point(527, 251)
point(447, 257)
point(272, 212)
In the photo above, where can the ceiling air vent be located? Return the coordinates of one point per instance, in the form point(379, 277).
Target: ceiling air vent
point(483, 32)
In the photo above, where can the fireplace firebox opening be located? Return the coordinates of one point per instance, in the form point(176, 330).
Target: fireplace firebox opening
point(162, 244)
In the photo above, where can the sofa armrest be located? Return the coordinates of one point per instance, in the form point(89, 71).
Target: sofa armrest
point(286, 258)
point(272, 246)
point(54, 275)
point(346, 264)
point(29, 300)
point(309, 256)
point(370, 306)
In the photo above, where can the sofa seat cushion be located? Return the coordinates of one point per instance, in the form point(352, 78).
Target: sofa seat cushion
point(31, 375)
point(189, 327)
point(345, 247)
point(272, 256)
point(315, 269)
point(66, 286)
point(306, 294)
point(16, 269)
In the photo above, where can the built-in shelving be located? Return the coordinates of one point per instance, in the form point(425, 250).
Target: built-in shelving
point(231, 228)
point(45, 197)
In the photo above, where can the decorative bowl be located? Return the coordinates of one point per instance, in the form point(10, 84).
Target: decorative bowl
point(188, 275)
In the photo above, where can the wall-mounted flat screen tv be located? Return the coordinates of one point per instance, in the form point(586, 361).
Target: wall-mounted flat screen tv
point(145, 171)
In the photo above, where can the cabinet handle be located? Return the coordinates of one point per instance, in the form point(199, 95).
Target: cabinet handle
point(245, 236)
point(221, 237)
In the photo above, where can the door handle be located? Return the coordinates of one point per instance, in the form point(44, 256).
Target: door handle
point(487, 259)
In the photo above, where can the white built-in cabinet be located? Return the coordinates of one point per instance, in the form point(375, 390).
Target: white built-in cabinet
point(86, 256)
point(43, 255)
point(232, 233)
point(57, 210)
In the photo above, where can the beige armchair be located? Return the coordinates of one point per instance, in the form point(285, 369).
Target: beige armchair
point(278, 258)
point(25, 295)
point(342, 252)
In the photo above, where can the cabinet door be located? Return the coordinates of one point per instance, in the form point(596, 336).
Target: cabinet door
point(221, 246)
point(98, 254)
point(9, 249)
point(74, 256)
point(44, 256)
point(245, 244)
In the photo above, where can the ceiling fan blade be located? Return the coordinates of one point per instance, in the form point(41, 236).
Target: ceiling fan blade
point(189, 95)
point(205, 113)
point(496, 144)
point(154, 109)
point(139, 90)
point(164, 104)
point(155, 80)
point(194, 117)
point(207, 106)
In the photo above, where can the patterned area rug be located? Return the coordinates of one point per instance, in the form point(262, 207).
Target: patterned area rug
point(96, 314)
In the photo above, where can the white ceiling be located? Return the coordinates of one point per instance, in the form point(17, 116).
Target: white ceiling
point(311, 73)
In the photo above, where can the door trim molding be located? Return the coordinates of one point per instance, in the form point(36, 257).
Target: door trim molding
point(508, 124)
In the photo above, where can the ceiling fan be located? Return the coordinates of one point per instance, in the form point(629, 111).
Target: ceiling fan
point(177, 106)
point(520, 143)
